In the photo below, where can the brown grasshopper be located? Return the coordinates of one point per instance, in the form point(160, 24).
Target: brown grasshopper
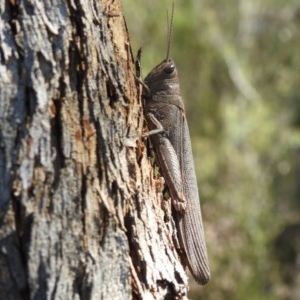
point(169, 135)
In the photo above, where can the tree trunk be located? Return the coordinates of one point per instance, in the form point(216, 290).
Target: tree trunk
point(81, 213)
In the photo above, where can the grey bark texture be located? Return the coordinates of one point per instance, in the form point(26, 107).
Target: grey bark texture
point(81, 212)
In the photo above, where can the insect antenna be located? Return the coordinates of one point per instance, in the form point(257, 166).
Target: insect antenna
point(169, 30)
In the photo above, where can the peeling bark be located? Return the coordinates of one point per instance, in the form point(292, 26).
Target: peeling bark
point(81, 216)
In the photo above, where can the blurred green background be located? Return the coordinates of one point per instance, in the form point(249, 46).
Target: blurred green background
point(238, 64)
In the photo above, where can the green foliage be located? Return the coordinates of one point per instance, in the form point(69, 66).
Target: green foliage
point(238, 65)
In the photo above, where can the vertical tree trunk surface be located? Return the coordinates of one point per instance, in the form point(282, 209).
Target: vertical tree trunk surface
point(81, 213)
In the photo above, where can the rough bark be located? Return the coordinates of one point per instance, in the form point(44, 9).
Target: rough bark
point(81, 213)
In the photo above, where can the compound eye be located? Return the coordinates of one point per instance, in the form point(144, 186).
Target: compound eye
point(169, 69)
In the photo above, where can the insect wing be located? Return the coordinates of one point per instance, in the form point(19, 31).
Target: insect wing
point(190, 224)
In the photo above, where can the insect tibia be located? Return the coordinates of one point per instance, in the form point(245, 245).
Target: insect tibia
point(146, 89)
point(155, 123)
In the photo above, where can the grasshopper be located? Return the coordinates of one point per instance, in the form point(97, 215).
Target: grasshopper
point(169, 135)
